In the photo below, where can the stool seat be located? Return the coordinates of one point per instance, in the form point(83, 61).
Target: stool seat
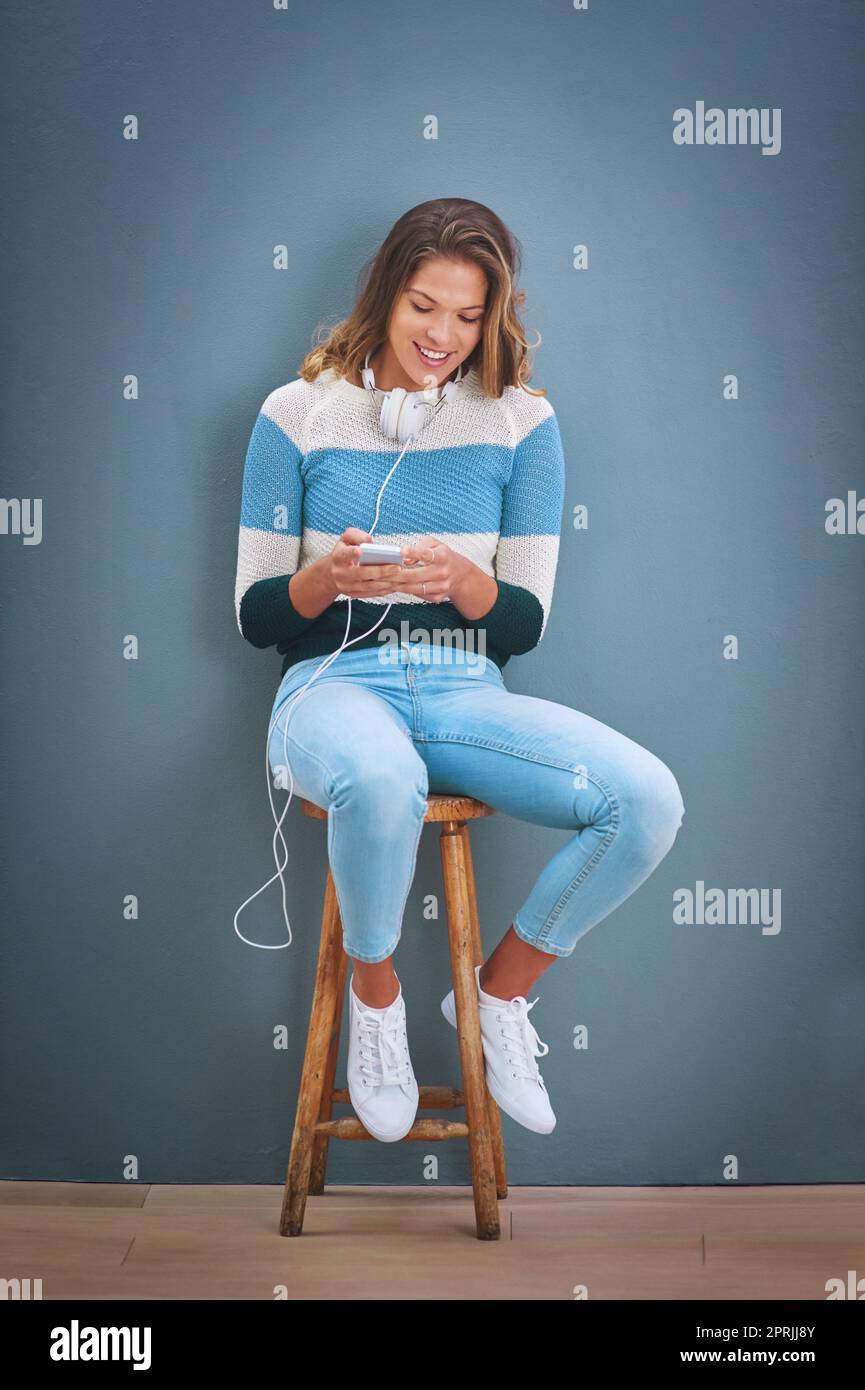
point(441, 806)
point(315, 1125)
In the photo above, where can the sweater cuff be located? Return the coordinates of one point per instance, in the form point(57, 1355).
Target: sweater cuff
point(267, 614)
point(514, 623)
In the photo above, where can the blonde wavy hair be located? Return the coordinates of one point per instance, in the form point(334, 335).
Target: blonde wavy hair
point(458, 229)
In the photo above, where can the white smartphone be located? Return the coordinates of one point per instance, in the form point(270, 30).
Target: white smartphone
point(379, 553)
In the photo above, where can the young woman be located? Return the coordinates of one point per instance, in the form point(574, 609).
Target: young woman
point(475, 505)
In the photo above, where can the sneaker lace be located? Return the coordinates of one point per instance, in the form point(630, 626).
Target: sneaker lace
point(519, 1031)
point(382, 1043)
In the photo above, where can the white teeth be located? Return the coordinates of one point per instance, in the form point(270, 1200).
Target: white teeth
point(432, 356)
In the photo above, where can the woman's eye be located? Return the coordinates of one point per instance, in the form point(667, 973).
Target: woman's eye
point(464, 320)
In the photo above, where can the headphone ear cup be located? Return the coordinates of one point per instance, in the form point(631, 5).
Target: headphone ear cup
point(403, 415)
point(390, 411)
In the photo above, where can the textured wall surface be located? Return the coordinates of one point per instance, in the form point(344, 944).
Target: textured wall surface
point(704, 357)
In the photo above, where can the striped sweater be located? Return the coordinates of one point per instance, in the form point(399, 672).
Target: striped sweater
point(486, 476)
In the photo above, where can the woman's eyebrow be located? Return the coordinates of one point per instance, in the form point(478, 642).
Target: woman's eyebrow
point(412, 290)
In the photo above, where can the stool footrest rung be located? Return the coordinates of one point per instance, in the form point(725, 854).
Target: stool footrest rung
point(349, 1127)
point(430, 1097)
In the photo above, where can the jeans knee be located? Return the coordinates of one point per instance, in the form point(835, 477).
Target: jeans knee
point(656, 804)
point(387, 791)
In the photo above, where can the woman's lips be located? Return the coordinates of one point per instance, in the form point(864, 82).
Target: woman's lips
point(438, 362)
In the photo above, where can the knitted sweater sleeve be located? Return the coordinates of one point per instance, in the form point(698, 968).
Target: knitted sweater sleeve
point(271, 521)
point(528, 547)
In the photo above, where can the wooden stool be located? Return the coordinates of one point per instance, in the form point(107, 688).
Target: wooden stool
point(314, 1127)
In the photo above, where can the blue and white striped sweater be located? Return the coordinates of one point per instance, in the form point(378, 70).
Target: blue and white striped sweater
point(485, 476)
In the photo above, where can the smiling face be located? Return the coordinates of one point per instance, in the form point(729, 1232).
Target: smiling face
point(440, 311)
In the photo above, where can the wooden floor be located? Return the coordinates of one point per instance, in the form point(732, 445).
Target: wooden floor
point(107, 1241)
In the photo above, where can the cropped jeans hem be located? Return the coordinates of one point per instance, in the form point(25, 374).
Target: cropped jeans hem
point(540, 943)
point(370, 960)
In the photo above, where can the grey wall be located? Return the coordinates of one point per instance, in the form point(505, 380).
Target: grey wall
point(154, 1037)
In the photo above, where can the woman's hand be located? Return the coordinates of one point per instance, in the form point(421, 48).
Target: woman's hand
point(447, 576)
point(436, 572)
point(348, 576)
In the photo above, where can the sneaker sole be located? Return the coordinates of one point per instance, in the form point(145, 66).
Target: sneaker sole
point(383, 1138)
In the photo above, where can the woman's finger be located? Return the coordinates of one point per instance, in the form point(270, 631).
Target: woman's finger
point(435, 574)
point(426, 554)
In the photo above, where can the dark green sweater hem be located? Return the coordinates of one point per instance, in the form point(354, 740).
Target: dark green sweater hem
point(268, 618)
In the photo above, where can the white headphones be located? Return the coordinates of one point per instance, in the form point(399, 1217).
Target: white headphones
point(402, 417)
point(404, 413)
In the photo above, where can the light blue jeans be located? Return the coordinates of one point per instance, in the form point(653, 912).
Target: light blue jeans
point(372, 736)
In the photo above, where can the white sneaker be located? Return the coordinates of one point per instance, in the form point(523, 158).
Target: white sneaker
point(381, 1082)
point(510, 1046)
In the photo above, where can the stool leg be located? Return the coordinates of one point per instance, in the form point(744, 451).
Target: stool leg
point(318, 1041)
point(469, 1030)
point(477, 956)
point(318, 1169)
